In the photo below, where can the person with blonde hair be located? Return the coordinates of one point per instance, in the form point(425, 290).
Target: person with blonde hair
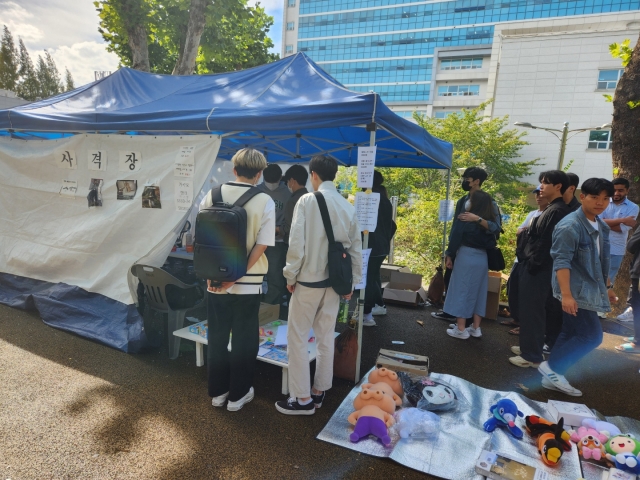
point(235, 305)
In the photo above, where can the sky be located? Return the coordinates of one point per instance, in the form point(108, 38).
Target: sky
point(68, 30)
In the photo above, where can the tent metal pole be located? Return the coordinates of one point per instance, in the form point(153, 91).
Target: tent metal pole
point(394, 214)
point(444, 232)
point(365, 245)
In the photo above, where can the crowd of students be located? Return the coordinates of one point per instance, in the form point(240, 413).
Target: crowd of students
point(568, 255)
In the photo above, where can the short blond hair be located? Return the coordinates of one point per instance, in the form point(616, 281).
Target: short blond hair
point(248, 162)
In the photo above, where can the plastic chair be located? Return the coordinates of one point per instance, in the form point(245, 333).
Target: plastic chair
point(155, 282)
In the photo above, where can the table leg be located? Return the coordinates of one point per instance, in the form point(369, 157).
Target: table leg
point(285, 381)
point(199, 354)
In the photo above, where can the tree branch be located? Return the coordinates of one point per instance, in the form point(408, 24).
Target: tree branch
point(186, 63)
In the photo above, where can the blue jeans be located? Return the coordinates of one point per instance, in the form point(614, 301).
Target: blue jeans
point(614, 266)
point(579, 336)
point(635, 304)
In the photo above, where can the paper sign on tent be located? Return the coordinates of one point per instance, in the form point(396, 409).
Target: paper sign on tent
point(67, 159)
point(69, 188)
point(366, 163)
point(365, 265)
point(130, 161)
point(183, 194)
point(97, 160)
point(185, 162)
point(367, 210)
point(446, 210)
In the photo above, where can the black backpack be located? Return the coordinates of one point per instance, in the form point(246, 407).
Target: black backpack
point(220, 246)
point(340, 274)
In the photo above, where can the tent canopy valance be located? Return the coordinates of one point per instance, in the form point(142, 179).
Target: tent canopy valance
point(290, 109)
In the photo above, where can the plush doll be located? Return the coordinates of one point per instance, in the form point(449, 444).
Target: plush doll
point(426, 394)
point(590, 443)
point(605, 428)
point(624, 452)
point(385, 388)
point(373, 415)
point(551, 438)
point(504, 414)
point(387, 376)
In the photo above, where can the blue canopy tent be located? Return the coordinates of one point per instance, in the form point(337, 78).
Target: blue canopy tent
point(290, 110)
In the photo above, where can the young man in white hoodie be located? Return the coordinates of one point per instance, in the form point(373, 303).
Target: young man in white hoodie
point(314, 304)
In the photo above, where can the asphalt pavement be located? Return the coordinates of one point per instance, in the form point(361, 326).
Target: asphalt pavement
point(71, 408)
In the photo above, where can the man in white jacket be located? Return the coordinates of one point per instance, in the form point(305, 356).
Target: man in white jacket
point(314, 304)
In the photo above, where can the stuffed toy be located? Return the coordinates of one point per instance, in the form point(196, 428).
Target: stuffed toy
point(386, 389)
point(624, 452)
point(504, 414)
point(426, 394)
point(373, 415)
point(551, 438)
point(605, 428)
point(387, 376)
point(590, 443)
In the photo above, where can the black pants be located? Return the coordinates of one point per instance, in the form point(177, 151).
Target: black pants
point(554, 320)
point(513, 292)
point(276, 283)
point(532, 311)
point(373, 289)
point(232, 371)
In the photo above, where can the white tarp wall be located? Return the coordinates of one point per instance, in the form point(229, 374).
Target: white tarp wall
point(55, 238)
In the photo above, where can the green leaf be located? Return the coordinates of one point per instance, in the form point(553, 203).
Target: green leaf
point(616, 171)
point(608, 98)
point(633, 104)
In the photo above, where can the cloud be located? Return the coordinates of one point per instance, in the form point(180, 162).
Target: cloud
point(82, 59)
point(20, 22)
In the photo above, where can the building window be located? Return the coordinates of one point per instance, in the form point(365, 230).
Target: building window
point(442, 114)
point(600, 140)
point(460, 63)
point(458, 90)
point(288, 49)
point(608, 79)
point(291, 25)
point(292, 3)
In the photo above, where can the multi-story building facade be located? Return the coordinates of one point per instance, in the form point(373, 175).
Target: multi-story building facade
point(437, 57)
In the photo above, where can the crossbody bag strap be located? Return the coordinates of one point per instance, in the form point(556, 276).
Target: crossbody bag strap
point(324, 212)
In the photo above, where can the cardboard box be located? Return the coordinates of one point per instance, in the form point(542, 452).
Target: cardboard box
point(268, 313)
point(497, 467)
point(493, 295)
point(404, 288)
point(403, 362)
point(387, 268)
point(573, 413)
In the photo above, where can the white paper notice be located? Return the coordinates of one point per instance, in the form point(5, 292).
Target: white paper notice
point(130, 161)
point(281, 335)
point(183, 194)
point(366, 162)
point(97, 160)
point(69, 188)
point(185, 162)
point(446, 210)
point(367, 210)
point(67, 159)
point(365, 264)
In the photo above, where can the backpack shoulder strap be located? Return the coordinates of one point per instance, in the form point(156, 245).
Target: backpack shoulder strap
point(216, 195)
point(324, 211)
point(246, 196)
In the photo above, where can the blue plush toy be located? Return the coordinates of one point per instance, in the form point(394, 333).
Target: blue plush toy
point(504, 414)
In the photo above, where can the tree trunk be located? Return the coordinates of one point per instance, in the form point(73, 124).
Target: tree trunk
point(186, 63)
point(625, 133)
point(133, 17)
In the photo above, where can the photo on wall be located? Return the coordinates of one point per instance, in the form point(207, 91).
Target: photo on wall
point(151, 197)
point(126, 189)
point(95, 192)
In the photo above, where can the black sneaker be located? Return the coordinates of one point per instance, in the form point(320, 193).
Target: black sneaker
point(442, 315)
point(318, 399)
point(292, 407)
point(546, 350)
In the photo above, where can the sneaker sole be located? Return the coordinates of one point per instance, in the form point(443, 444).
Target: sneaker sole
point(235, 409)
point(369, 324)
point(295, 412)
point(549, 385)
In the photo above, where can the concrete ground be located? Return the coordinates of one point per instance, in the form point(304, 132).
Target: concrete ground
point(73, 409)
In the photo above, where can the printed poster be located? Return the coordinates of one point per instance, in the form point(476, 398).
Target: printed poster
point(365, 265)
point(183, 194)
point(185, 162)
point(367, 210)
point(366, 164)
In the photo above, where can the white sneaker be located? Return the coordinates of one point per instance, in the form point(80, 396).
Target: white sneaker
point(626, 316)
point(235, 406)
point(474, 332)
point(554, 381)
point(379, 310)
point(368, 322)
point(219, 400)
point(516, 349)
point(455, 333)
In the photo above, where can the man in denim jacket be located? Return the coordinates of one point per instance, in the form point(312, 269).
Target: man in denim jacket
point(580, 252)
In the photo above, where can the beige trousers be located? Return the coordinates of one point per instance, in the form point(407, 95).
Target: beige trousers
point(309, 308)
